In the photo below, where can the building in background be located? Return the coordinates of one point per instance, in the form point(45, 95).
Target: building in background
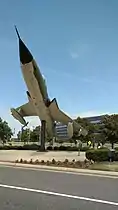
point(61, 131)
point(95, 119)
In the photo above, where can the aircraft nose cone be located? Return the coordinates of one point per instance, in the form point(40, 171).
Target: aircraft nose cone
point(25, 55)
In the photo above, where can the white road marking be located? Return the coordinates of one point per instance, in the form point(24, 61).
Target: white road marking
point(59, 194)
point(57, 170)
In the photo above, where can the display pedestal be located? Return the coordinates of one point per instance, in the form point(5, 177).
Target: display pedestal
point(43, 129)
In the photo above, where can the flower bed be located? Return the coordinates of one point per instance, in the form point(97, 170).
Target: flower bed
point(53, 162)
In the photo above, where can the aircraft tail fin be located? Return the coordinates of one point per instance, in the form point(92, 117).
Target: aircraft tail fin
point(57, 114)
point(60, 116)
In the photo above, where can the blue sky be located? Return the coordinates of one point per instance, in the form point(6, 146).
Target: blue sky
point(75, 44)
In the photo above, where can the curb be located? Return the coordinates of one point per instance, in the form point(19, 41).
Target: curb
point(60, 169)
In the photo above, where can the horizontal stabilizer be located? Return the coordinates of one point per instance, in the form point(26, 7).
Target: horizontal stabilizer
point(26, 110)
point(18, 116)
point(23, 111)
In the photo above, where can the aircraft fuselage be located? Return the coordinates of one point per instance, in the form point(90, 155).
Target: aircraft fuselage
point(36, 97)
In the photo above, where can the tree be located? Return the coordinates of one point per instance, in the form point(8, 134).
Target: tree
point(5, 131)
point(83, 122)
point(109, 128)
point(24, 135)
point(19, 135)
point(35, 134)
point(90, 127)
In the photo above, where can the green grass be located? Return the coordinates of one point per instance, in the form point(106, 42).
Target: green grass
point(105, 166)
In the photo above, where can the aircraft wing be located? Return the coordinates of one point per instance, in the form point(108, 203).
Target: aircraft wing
point(26, 110)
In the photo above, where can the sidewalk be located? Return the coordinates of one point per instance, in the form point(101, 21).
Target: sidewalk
point(8, 157)
point(12, 155)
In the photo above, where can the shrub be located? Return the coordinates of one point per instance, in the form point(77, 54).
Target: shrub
point(21, 160)
point(66, 161)
point(116, 155)
point(86, 161)
point(103, 148)
point(5, 147)
point(59, 162)
point(79, 163)
point(67, 148)
point(84, 149)
point(24, 147)
point(36, 161)
point(42, 161)
point(97, 155)
point(48, 162)
point(53, 161)
point(30, 147)
point(31, 161)
point(49, 148)
point(37, 147)
point(56, 148)
point(16, 147)
point(72, 148)
point(62, 148)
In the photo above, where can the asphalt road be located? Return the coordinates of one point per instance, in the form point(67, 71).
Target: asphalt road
point(26, 189)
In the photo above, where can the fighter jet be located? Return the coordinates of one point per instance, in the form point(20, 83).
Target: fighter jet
point(39, 103)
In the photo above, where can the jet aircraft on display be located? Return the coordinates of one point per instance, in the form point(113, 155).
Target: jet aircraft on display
point(39, 103)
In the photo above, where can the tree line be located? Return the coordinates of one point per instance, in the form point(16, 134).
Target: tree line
point(105, 131)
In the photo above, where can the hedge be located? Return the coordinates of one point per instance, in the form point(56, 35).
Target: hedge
point(67, 148)
point(36, 147)
point(99, 155)
point(24, 147)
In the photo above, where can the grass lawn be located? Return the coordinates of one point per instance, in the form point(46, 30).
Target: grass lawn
point(105, 166)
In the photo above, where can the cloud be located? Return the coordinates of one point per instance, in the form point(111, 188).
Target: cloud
point(87, 114)
point(92, 113)
point(74, 55)
point(70, 75)
point(79, 50)
point(87, 80)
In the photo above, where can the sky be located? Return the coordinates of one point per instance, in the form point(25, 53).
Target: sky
point(75, 44)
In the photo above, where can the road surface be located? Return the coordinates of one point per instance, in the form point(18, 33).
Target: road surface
point(30, 189)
